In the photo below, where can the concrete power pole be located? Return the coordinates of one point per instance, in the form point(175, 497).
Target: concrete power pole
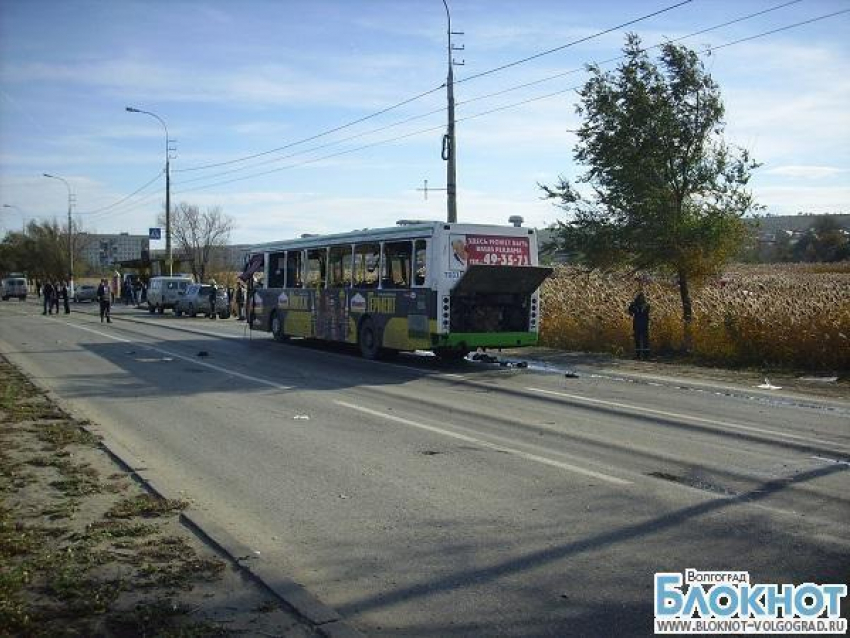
point(449, 146)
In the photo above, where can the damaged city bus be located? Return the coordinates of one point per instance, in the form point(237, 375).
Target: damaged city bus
point(448, 288)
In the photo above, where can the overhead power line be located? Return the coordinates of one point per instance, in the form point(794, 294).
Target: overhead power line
point(503, 108)
point(123, 199)
point(478, 98)
point(430, 91)
point(316, 136)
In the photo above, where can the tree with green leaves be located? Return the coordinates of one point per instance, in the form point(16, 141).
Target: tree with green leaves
point(41, 252)
point(663, 192)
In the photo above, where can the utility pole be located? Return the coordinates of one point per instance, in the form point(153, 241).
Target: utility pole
point(70, 230)
point(168, 254)
point(449, 147)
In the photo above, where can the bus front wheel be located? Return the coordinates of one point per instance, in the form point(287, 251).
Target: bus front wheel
point(370, 346)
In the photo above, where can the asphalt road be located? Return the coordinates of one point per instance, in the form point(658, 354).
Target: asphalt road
point(474, 500)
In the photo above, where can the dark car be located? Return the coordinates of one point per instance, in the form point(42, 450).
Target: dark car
point(196, 300)
point(85, 292)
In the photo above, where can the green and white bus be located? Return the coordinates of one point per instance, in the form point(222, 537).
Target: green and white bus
point(448, 288)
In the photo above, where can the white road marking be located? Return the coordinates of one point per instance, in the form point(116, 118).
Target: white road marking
point(833, 461)
point(688, 417)
point(482, 443)
point(232, 373)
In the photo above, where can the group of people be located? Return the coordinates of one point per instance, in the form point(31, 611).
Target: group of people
point(134, 292)
point(52, 292)
point(236, 297)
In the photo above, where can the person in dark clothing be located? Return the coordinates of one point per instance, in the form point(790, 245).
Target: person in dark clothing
point(212, 299)
point(55, 298)
point(63, 293)
point(240, 302)
point(639, 310)
point(47, 290)
point(104, 298)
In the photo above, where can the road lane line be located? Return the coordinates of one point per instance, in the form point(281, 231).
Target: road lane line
point(482, 443)
point(232, 373)
point(688, 417)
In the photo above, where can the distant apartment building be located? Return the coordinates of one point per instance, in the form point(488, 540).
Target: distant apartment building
point(107, 250)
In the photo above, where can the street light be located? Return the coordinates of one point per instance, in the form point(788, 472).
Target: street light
point(70, 228)
point(130, 109)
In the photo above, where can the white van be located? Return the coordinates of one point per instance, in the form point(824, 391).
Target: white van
point(163, 292)
point(14, 285)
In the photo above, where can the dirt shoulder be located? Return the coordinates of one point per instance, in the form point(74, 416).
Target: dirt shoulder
point(87, 551)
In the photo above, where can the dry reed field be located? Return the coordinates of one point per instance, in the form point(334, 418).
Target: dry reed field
point(776, 315)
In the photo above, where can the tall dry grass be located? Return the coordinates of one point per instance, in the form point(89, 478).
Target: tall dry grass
point(782, 315)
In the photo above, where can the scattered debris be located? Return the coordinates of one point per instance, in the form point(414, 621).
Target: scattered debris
point(343, 496)
point(571, 374)
point(484, 357)
point(767, 385)
point(130, 352)
point(302, 417)
point(203, 353)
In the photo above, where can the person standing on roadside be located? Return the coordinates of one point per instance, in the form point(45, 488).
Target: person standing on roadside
point(104, 297)
point(63, 293)
point(55, 297)
point(212, 297)
point(47, 291)
point(240, 302)
point(639, 310)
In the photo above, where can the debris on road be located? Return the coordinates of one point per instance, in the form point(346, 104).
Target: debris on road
point(767, 385)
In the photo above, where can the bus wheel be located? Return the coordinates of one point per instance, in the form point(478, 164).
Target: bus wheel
point(151, 309)
point(451, 354)
point(177, 312)
point(277, 328)
point(368, 340)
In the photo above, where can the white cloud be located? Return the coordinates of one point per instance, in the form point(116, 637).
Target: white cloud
point(807, 172)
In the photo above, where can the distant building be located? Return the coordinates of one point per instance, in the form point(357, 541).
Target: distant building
point(101, 251)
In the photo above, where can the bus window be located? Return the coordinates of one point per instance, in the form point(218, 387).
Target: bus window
point(420, 262)
point(293, 269)
point(340, 267)
point(276, 270)
point(316, 268)
point(367, 259)
point(397, 264)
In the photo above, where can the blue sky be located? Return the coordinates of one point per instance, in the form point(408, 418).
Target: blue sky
point(233, 79)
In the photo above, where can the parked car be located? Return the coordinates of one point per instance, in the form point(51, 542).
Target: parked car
point(163, 292)
point(14, 286)
point(85, 292)
point(196, 300)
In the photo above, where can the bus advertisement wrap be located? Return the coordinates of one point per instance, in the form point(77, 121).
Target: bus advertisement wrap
point(489, 250)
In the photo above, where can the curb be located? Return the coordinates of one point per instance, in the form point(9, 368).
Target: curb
point(293, 595)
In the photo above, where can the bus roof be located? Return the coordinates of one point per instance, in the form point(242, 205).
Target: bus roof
point(402, 231)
